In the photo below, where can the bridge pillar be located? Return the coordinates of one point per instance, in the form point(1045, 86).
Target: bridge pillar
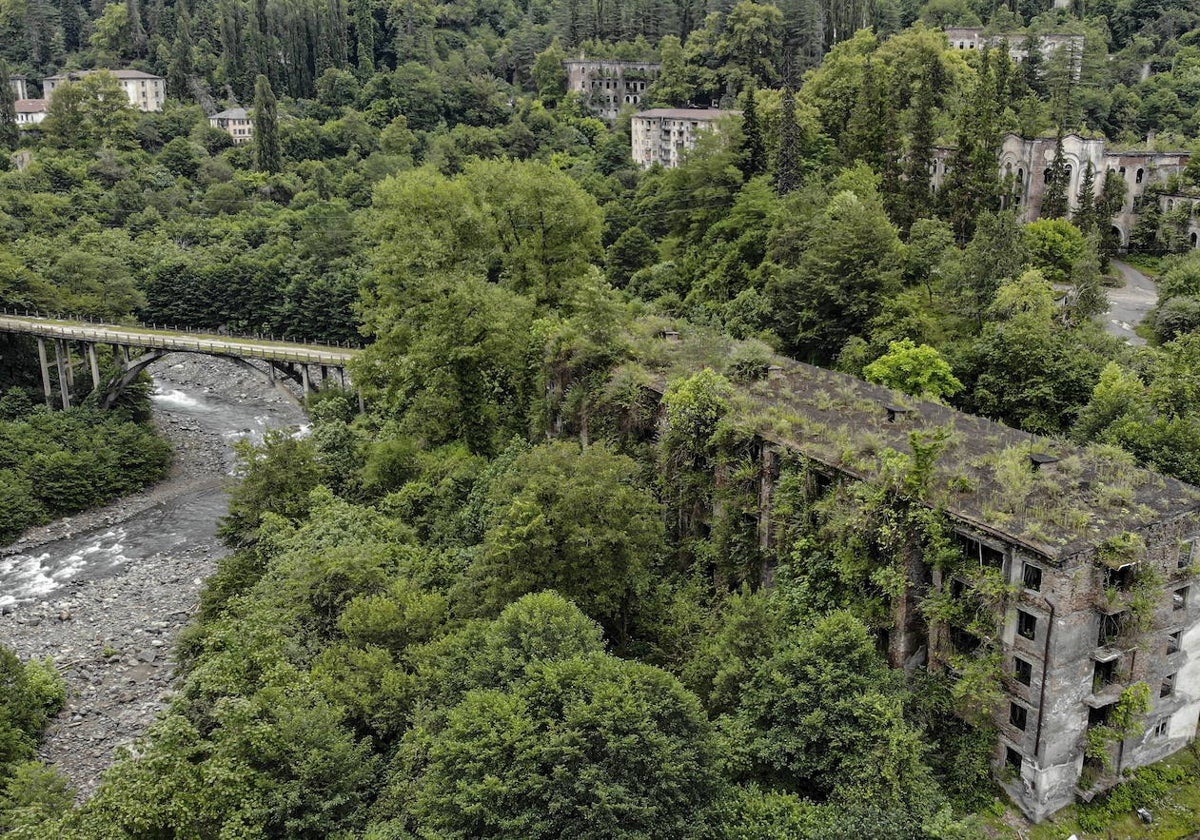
point(342, 376)
point(94, 364)
point(304, 378)
point(45, 366)
point(66, 348)
point(64, 389)
point(362, 404)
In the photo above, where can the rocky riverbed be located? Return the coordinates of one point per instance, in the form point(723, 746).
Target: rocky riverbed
point(104, 594)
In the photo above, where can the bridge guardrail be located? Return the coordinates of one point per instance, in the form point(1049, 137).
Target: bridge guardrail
point(116, 335)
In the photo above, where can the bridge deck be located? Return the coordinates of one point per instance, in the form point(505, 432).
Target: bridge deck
point(279, 351)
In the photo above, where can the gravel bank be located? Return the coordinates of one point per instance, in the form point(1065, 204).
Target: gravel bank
point(113, 637)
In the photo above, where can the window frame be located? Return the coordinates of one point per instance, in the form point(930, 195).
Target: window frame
point(1024, 617)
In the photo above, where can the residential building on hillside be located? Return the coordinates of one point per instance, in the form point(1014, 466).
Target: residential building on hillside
point(1025, 163)
point(236, 122)
point(146, 92)
point(20, 86)
point(664, 135)
point(30, 112)
point(1073, 584)
point(608, 86)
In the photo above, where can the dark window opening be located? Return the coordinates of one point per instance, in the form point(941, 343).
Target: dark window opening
point(1026, 624)
point(1110, 628)
point(1099, 716)
point(1138, 177)
point(1032, 577)
point(1121, 578)
point(962, 641)
point(1023, 671)
point(1187, 551)
point(1161, 728)
point(1174, 641)
point(1012, 758)
point(976, 551)
point(1018, 716)
point(1179, 598)
point(1104, 674)
point(1168, 686)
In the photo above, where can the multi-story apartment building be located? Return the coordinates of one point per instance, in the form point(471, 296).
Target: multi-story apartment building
point(1094, 592)
point(665, 135)
point(608, 86)
point(236, 122)
point(146, 92)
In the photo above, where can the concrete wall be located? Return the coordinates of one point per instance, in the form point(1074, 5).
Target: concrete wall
point(604, 86)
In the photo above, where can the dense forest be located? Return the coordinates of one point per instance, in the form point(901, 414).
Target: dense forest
point(492, 605)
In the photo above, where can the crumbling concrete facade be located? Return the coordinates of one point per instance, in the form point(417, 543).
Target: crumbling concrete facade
point(1025, 168)
point(1099, 561)
point(608, 86)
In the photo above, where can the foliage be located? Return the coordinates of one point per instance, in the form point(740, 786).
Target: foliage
point(919, 371)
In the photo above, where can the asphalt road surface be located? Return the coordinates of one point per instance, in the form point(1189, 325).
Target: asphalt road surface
point(1128, 305)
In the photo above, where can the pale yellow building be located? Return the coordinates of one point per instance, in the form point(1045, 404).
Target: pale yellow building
point(146, 92)
point(236, 122)
point(664, 135)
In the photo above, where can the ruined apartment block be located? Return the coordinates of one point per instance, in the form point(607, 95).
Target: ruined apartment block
point(1100, 557)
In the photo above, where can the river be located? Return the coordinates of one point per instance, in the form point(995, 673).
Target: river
point(104, 593)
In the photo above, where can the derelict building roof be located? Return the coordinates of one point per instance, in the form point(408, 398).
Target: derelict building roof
point(1077, 498)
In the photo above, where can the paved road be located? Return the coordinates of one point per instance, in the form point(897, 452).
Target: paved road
point(1128, 305)
point(311, 354)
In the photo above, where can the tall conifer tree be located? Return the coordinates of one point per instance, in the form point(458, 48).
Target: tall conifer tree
point(754, 153)
point(179, 73)
point(364, 33)
point(1055, 202)
point(266, 127)
point(10, 135)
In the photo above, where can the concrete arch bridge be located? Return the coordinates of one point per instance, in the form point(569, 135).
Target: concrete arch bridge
point(308, 365)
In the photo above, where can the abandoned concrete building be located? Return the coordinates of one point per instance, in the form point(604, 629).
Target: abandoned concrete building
point(665, 135)
point(608, 86)
point(1025, 164)
point(1018, 43)
point(1099, 561)
point(20, 86)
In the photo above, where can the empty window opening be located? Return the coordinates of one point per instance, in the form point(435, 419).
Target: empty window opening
point(1012, 758)
point(979, 552)
point(1187, 549)
point(1179, 598)
point(1018, 715)
point(1032, 577)
point(1110, 628)
point(964, 642)
point(1100, 715)
point(1026, 624)
point(1162, 727)
point(1174, 641)
point(1121, 578)
point(1139, 175)
point(1168, 686)
point(1104, 674)
point(1022, 671)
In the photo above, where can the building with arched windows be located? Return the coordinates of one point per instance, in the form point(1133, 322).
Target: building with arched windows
point(1025, 164)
